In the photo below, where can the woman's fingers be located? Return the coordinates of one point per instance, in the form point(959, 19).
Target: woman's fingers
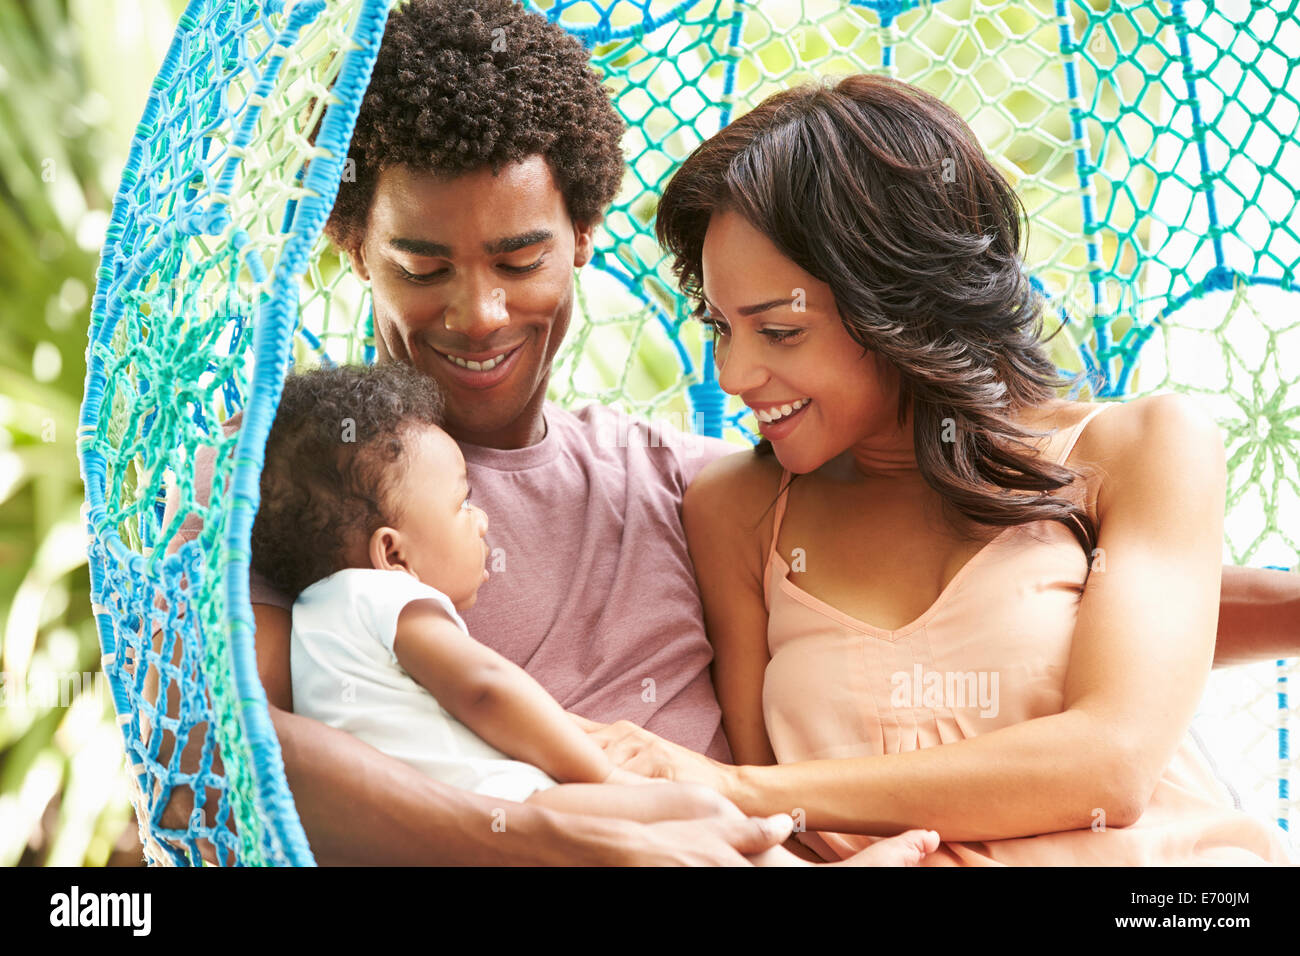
point(624, 750)
point(647, 763)
point(584, 723)
point(636, 750)
point(613, 735)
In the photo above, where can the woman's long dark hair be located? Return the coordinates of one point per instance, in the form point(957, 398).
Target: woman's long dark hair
point(883, 192)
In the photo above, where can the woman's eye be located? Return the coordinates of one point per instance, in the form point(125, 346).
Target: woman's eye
point(714, 326)
point(719, 328)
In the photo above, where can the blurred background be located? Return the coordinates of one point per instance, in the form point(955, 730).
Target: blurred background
point(74, 76)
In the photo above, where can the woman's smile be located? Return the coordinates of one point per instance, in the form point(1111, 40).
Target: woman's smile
point(777, 422)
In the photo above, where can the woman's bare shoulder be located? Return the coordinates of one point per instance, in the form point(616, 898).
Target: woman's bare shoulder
point(734, 486)
point(723, 514)
point(1126, 430)
point(1145, 447)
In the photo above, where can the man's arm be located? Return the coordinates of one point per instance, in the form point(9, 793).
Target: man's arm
point(1259, 616)
point(360, 806)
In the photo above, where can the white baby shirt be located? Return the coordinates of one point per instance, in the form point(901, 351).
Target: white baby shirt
point(346, 675)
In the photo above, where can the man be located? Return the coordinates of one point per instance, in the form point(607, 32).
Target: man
point(486, 153)
point(478, 188)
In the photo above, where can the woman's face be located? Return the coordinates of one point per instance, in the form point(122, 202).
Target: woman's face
point(779, 341)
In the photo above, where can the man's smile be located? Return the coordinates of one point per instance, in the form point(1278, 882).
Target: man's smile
point(478, 361)
point(480, 370)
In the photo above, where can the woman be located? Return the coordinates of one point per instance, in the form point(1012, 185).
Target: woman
point(938, 596)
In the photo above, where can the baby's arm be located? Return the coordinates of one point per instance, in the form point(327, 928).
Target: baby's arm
point(494, 697)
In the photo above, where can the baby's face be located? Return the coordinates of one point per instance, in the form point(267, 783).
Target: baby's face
point(441, 536)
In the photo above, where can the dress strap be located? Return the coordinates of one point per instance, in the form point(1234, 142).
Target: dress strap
point(776, 521)
point(1078, 430)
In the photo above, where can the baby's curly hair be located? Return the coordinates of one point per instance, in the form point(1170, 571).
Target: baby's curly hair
point(463, 84)
point(336, 447)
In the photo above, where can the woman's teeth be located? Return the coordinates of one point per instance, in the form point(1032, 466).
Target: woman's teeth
point(776, 413)
point(476, 366)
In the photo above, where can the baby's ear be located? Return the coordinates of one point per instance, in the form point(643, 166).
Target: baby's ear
point(386, 551)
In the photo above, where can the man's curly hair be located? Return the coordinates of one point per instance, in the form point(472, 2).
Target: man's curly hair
point(463, 84)
point(336, 448)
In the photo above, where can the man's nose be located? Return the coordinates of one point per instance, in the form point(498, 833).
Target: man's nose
point(740, 370)
point(477, 309)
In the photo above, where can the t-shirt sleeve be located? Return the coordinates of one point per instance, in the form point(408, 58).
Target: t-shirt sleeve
point(689, 452)
point(261, 591)
point(380, 596)
point(703, 451)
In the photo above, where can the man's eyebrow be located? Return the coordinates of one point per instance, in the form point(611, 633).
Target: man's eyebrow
point(438, 250)
point(511, 243)
point(757, 307)
point(421, 247)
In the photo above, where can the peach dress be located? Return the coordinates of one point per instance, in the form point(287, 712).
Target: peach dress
point(838, 687)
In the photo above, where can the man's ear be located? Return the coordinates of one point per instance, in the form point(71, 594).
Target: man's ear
point(358, 257)
point(584, 243)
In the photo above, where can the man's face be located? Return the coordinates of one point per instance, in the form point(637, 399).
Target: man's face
point(476, 270)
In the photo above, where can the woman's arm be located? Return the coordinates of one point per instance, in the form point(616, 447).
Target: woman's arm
point(718, 504)
point(1138, 665)
point(494, 697)
point(721, 523)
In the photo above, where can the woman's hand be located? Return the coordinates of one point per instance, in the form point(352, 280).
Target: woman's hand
point(639, 751)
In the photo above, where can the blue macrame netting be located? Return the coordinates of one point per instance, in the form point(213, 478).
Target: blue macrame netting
point(1154, 145)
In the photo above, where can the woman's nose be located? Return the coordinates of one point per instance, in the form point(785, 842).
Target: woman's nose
point(739, 370)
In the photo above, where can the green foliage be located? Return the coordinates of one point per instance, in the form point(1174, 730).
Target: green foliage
point(67, 102)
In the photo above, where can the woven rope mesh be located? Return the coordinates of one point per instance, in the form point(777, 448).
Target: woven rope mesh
point(1153, 144)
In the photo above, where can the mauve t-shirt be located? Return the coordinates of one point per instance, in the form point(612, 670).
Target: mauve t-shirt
point(592, 590)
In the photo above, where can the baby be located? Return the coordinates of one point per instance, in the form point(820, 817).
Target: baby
point(366, 519)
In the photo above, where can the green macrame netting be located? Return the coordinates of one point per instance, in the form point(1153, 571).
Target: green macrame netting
point(1154, 145)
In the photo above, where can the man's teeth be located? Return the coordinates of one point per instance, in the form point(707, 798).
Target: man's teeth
point(476, 366)
point(767, 416)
